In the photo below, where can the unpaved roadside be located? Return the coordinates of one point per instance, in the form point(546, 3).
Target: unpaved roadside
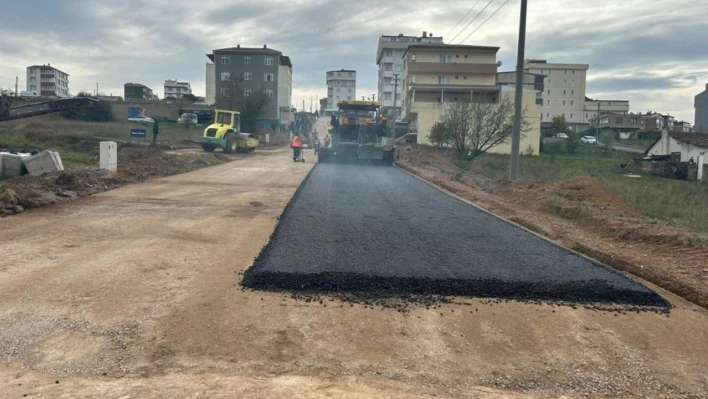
point(134, 293)
point(136, 163)
point(585, 216)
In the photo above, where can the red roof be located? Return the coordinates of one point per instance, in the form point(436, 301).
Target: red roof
point(697, 139)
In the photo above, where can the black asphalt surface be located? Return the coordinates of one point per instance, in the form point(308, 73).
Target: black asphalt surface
point(378, 230)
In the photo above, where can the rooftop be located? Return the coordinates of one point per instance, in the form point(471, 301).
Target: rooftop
point(450, 47)
point(48, 66)
point(697, 139)
point(137, 85)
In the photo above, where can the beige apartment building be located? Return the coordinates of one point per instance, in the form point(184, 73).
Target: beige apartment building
point(435, 75)
point(564, 91)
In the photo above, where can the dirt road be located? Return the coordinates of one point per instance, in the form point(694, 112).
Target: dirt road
point(134, 293)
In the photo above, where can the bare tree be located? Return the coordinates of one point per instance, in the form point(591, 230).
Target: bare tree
point(477, 127)
point(252, 106)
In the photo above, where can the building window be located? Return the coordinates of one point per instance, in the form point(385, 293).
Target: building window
point(247, 92)
point(269, 77)
point(443, 80)
point(564, 92)
point(269, 93)
point(224, 92)
point(571, 102)
point(445, 58)
point(573, 72)
point(388, 53)
point(571, 116)
point(337, 82)
point(548, 115)
point(549, 92)
point(246, 60)
point(268, 60)
point(247, 76)
point(351, 74)
point(33, 87)
point(412, 56)
point(225, 59)
point(33, 79)
point(633, 120)
point(549, 102)
point(397, 68)
point(586, 116)
point(225, 76)
point(572, 92)
point(563, 102)
point(349, 97)
point(618, 120)
point(350, 90)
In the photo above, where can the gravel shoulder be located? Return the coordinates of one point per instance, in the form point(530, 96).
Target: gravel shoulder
point(135, 292)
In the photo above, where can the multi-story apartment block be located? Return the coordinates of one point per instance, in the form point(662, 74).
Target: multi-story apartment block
point(175, 89)
point(436, 75)
point(137, 91)
point(564, 91)
point(622, 124)
point(701, 105)
point(341, 85)
point(389, 59)
point(595, 107)
point(47, 81)
point(682, 127)
point(254, 69)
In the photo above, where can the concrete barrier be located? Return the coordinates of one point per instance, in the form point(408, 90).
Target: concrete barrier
point(44, 162)
point(12, 165)
point(109, 156)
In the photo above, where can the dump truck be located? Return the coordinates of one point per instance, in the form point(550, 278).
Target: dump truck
point(356, 135)
point(224, 132)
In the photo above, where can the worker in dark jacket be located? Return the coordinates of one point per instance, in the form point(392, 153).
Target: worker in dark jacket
point(155, 132)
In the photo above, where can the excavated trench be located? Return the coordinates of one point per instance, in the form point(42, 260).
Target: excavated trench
point(375, 232)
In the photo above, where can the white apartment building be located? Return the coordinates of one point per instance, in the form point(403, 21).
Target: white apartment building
point(701, 106)
point(176, 89)
point(341, 85)
point(389, 59)
point(564, 91)
point(47, 81)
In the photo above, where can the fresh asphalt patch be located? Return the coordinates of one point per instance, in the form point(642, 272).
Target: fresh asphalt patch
point(376, 232)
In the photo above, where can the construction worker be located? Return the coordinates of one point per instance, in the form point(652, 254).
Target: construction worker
point(296, 144)
point(326, 140)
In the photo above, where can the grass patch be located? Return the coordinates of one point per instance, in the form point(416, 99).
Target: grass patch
point(680, 202)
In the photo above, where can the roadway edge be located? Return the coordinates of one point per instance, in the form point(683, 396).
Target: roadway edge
point(609, 261)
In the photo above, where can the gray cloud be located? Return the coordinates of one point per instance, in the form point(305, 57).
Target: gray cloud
point(651, 54)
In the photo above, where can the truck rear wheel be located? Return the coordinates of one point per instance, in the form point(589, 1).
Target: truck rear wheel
point(231, 143)
point(208, 147)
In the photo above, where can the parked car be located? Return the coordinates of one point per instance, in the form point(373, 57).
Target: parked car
point(142, 119)
point(588, 140)
point(188, 118)
point(29, 94)
point(562, 136)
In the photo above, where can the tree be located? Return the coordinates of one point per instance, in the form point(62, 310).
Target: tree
point(572, 142)
point(440, 135)
point(559, 125)
point(477, 127)
point(251, 107)
point(189, 98)
point(7, 92)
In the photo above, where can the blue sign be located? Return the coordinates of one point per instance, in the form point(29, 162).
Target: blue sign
point(138, 133)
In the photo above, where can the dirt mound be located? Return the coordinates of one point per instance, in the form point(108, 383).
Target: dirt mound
point(588, 189)
point(135, 164)
point(276, 139)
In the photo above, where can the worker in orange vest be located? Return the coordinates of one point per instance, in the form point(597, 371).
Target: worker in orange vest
point(296, 144)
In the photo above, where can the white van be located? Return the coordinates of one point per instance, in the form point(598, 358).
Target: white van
point(29, 94)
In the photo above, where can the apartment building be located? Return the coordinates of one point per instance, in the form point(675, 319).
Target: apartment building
point(47, 81)
point(622, 125)
point(564, 91)
point(341, 85)
point(175, 89)
point(593, 108)
point(389, 59)
point(256, 69)
point(436, 75)
point(137, 92)
point(701, 106)
point(682, 127)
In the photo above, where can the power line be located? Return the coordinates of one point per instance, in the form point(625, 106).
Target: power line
point(485, 21)
point(462, 19)
point(473, 19)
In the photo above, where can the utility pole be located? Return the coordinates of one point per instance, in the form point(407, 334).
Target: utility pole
point(373, 97)
point(16, 77)
point(96, 89)
point(395, 97)
point(516, 133)
point(303, 105)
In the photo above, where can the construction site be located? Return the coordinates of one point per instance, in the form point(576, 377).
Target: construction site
point(198, 269)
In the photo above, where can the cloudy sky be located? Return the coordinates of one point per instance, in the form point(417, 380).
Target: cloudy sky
point(651, 52)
